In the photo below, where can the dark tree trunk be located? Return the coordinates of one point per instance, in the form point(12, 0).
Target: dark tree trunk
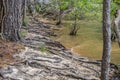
point(23, 12)
point(75, 28)
point(106, 40)
point(1, 14)
point(59, 18)
point(11, 21)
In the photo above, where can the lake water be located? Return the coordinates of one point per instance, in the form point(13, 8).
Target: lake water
point(88, 42)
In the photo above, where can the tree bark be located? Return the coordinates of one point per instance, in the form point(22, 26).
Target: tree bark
point(1, 14)
point(59, 18)
point(105, 67)
point(75, 28)
point(23, 12)
point(116, 26)
point(11, 21)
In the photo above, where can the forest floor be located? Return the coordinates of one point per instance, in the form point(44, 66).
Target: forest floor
point(7, 50)
point(46, 59)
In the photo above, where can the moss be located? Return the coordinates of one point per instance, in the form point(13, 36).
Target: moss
point(23, 33)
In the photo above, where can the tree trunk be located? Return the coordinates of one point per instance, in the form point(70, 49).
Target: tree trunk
point(11, 21)
point(75, 28)
point(59, 18)
point(23, 12)
point(59, 21)
point(106, 40)
point(116, 26)
point(1, 14)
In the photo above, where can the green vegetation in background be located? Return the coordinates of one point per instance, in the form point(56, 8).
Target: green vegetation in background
point(38, 7)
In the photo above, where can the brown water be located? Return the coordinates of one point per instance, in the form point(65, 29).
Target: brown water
point(88, 42)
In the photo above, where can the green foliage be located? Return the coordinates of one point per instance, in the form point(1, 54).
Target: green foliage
point(60, 4)
point(87, 8)
point(81, 8)
point(116, 1)
point(114, 7)
point(64, 5)
point(38, 7)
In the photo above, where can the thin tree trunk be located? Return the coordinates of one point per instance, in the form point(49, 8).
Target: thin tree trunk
point(24, 12)
point(73, 30)
point(60, 14)
point(59, 18)
point(106, 40)
point(11, 21)
point(1, 14)
point(116, 26)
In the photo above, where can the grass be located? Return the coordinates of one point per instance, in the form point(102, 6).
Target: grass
point(89, 38)
point(43, 48)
